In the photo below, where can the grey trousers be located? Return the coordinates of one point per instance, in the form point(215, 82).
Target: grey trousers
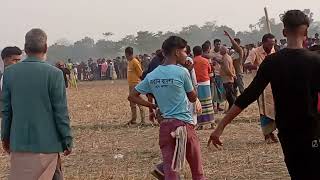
point(239, 83)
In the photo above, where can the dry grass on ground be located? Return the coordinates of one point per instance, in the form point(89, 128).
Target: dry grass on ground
point(99, 111)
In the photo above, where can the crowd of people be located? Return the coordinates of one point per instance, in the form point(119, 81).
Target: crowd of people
point(286, 86)
point(184, 89)
point(102, 69)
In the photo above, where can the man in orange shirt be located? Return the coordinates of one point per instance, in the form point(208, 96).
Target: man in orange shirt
point(134, 78)
point(203, 74)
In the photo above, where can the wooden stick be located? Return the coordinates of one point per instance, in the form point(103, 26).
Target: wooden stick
point(267, 20)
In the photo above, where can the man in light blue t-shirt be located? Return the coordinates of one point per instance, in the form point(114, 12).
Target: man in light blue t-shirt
point(172, 88)
point(169, 84)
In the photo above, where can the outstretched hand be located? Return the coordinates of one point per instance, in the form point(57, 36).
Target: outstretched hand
point(198, 107)
point(215, 138)
point(152, 116)
point(189, 65)
point(216, 134)
point(6, 146)
point(67, 152)
point(226, 33)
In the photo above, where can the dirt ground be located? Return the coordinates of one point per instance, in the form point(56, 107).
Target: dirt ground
point(105, 148)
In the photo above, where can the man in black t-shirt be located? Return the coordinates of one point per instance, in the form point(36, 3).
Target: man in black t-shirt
point(294, 74)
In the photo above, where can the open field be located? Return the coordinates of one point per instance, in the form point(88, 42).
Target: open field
point(99, 111)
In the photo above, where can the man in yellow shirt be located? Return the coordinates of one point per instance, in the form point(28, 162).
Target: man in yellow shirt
point(134, 77)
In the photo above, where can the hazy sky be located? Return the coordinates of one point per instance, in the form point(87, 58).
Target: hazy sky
point(75, 19)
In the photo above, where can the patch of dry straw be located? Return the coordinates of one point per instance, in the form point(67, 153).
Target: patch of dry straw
point(99, 110)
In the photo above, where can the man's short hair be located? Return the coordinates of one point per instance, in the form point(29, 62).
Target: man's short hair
point(208, 42)
point(36, 41)
point(129, 51)
point(173, 43)
point(10, 51)
point(197, 51)
point(266, 37)
point(188, 49)
point(216, 41)
point(292, 19)
point(205, 47)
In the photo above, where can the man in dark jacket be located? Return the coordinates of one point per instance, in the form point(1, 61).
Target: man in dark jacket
point(35, 125)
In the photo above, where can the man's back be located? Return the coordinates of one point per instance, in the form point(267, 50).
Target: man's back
point(34, 94)
point(202, 68)
point(294, 75)
point(134, 71)
point(227, 70)
point(295, 81)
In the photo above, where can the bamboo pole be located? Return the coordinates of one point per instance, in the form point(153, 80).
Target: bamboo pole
point(267, 20)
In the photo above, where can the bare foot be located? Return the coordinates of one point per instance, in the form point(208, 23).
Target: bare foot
point(270, 138)
point(274, 138)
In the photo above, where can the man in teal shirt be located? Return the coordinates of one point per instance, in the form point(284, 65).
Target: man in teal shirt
point(172, 88)
point(35, 125)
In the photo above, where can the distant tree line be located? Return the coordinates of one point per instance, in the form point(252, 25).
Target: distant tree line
point(145, 42)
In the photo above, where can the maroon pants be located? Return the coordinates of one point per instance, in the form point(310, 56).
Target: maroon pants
point(167, 145)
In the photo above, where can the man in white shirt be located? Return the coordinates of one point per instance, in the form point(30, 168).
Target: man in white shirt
point(10, 55)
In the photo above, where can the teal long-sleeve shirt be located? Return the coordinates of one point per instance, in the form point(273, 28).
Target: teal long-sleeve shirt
point(35, 113)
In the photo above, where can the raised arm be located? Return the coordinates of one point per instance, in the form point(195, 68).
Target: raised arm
point(235, 45)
